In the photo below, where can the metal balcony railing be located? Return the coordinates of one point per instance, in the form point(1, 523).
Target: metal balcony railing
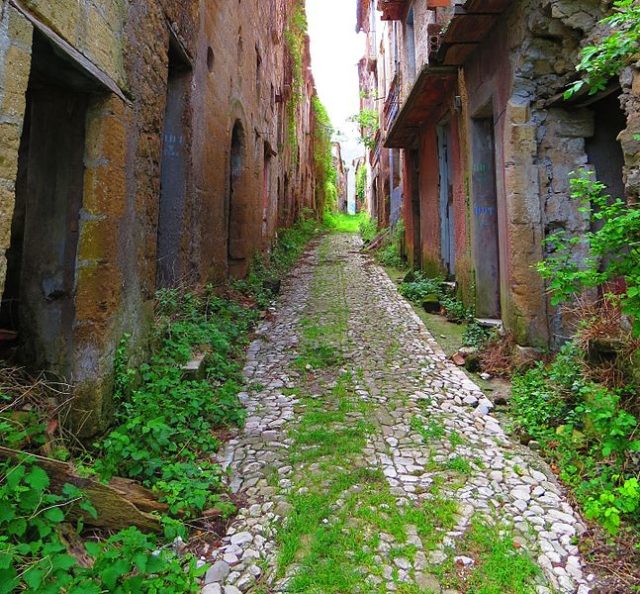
point(392, 104)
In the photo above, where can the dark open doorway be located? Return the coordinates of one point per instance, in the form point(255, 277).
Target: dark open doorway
point(603, 148)
point(485, 219)
point(39, 297)
point(236, 207)
point(175, 159)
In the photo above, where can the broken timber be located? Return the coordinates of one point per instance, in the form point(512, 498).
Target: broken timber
point(120, 504)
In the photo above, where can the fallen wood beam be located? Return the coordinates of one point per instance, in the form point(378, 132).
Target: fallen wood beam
point(120, 504)
point(375, 244)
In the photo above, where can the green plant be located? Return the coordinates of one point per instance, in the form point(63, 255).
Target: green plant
point(614, 242)
point(368, 229)
point(361, 183)
point(601, 62)
point(613, 504)
point(34, 556)
point(584, 427)
point(339, 222)
point(475, 335)
point(390, 254)
point(165, 436)
point(455, 310)
point(369, 124)
point(326, 172)
point(421, 287)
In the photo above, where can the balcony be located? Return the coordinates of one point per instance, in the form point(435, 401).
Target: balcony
point(392, 104)
point(392, 10)
point(471, 22)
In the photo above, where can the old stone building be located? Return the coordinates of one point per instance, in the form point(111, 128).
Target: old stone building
point(489, 144)
point(144, 143)
point(342, 177)
point(380, 79)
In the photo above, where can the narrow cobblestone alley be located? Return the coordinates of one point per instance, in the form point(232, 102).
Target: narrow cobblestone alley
point(369, 463)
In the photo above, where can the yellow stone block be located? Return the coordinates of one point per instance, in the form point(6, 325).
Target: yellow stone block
point(20, 29)
point(7, 203)
point(62, 17)
point(10, 143)
point(17, 67)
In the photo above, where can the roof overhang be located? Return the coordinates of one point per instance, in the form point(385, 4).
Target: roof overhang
point(392, 10)
point(431, 90)
point(469, 25)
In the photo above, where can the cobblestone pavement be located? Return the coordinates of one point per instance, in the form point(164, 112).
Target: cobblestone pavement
point(369, 461)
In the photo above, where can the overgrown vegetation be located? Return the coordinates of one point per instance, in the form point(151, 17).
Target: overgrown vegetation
point(601, 62)
point(294, 35)
point(369, 123)
point(35, 550)
point(164, 437)
point(326, 173)
point(422, 289)
point(583, 406)
point(588, 430)
point(340, 222)
point(368, 229)
point(361, 184)
point(499, 566)
point(390, 252)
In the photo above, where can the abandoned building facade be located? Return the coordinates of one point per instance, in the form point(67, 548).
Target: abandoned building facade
point(489, 143)
point(379, 77)
point(144, 144)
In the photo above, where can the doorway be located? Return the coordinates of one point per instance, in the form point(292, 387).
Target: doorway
point(447, 220)
point(603, 148)
point(236, 209)
point(38, 303)
point(173, 172)
point(414, 170)
point(485, 219)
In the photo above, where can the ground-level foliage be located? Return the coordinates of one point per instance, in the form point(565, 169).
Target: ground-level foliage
point(589, 430)
point(164, 437)
point(425, 290)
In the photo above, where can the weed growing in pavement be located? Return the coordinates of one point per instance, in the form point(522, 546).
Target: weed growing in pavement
point(459, 464)
point(499, 566)
point(434, 429)
point(455, 439)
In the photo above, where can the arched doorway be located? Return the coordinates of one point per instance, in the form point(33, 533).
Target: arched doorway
point(236, 205)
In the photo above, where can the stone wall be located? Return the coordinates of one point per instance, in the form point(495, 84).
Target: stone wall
point(122, 57)
point(522, 70)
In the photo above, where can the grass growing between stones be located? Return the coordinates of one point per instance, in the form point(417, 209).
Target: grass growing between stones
point(346, 531)
point(499, 565)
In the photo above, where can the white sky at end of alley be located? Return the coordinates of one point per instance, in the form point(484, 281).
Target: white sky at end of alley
point(336, 49)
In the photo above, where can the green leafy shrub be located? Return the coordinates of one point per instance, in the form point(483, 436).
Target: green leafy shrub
point(476, 335)
point(600, 63)
point(368, 229)
point(615, 241)
point(420, 286)
point(584, 427)
point(455, 310)
point(34, 557)
point(612, 504)
point(369, 124)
